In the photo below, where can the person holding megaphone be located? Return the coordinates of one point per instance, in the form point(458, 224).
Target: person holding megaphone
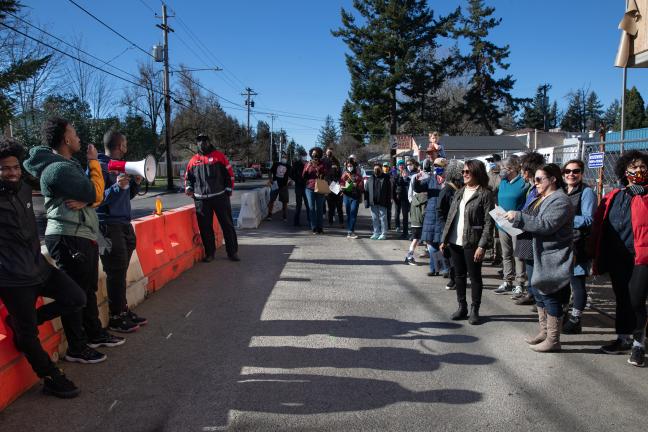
point(115, 224)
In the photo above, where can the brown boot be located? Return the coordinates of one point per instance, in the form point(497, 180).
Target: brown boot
point(542, 327)
point(526, 299)
point(552, 342)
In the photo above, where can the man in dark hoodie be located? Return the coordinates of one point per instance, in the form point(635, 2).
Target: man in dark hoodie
point(25, 275)
point(297, 175)
point(115, 224)
point(72, 227)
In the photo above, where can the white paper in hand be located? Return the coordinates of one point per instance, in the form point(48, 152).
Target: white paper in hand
point(498, 216)
point(335, 188)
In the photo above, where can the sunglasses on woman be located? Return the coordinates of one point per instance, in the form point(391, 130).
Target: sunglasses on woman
point(572, 171)
point(466, 172)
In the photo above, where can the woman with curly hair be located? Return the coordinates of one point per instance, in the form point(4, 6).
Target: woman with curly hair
point(314, 170)
point(620, 236)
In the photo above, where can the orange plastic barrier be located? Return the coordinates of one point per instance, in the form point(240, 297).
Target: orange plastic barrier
point(167, 245)
point(16, 375)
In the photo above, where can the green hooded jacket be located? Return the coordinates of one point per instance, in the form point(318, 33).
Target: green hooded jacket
point(63, 179)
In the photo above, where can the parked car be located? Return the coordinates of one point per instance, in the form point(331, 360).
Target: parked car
point(251, 173)
point(238, 175)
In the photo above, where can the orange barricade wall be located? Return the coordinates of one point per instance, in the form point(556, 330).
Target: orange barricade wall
point(167, 246)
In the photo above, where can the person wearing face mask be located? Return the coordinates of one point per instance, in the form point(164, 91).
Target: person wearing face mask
point(315, 169)
point(511, 196)
point(352, 189)
point(26, 275)
point(417, 197)
point(494, 180)
point(378, 198)
point(278, 183)
point(453, 182)
point(300, 188)
point(549, 220)
point(334, 201)
point(432, 226)
point(72, 232)
point(209, 180)
point(386, 168)
point(402, 204)
point(620, 239)
point(583, 199)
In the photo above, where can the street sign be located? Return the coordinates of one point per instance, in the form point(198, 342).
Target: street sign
point(595, 160)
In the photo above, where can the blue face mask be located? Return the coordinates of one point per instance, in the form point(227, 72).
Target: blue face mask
point(438, 170)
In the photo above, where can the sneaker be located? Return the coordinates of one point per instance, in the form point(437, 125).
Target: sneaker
point(446, 275)
point(353, 236)
point(410, 260)
point(504, 288)
point(425, 254)
point(140, 321)
point(86, 356)
point(382, 237)
point(451, 285)
point(106, 340)
point(122, 323)
point(58, 385)
point(374, 237)
point(433, 274)
point(572, 326)
point(518, 291)
point(637, 356)
point(619, 346)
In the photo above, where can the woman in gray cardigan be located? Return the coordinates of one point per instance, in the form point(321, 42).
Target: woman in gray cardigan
point(553, 256)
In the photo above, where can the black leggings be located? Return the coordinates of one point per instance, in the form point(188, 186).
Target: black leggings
point(464, 264)
point(638, 295)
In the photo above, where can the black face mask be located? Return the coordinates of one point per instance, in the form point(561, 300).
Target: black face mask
point(205, 147)
point(10, 186)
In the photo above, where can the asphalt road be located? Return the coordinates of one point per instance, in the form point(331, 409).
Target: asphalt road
point(321, 333)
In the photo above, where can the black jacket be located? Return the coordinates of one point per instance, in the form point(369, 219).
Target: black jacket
point(21, 261)
point(378, 190)
point(477, 230)
point(401, 188)
point(297, 173)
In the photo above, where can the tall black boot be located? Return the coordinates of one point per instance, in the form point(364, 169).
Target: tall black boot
point(474, 315)
point(461, 313)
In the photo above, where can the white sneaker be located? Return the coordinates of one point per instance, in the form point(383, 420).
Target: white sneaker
point(517, 290)
point(353, 236)
point(504, 288)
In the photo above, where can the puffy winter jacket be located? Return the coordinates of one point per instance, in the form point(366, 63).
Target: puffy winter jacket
point(209, 175)
point(21, 262)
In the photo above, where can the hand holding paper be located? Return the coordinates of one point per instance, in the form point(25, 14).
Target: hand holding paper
point(499, 215)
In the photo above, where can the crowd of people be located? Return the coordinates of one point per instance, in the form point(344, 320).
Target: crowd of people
point(88, 214)
point(445, 205)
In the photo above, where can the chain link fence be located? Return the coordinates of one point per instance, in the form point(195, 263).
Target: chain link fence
point(603, 179)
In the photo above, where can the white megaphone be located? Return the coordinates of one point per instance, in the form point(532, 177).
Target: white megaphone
point(146, 168)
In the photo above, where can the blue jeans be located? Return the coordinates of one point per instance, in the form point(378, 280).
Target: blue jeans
point(351, 206)
point(437, 258)
point(579, 292)
point(379, 219)
point(316, 207)
point(553, 303)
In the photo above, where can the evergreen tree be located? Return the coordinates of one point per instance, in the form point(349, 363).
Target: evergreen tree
point(385, 53)
point(635, 113)
point(533, 114)
point(575, 118)
point(612, 117)
point(553, 116)
point(487, 96)
point(350, 122)
point(594, 111)
point(328, 135)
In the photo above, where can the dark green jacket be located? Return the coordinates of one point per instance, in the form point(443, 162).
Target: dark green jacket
point(60, 180)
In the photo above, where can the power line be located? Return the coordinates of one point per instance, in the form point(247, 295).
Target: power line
point(111, 29)
point(147, 6)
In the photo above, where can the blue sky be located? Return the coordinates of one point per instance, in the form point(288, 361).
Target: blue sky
point(284, 49)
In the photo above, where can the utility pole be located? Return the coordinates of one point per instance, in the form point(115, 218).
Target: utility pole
point(272, 118)
point(545, 88)
point(249, 103)
point(167, 98)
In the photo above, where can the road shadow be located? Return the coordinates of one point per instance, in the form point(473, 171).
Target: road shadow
point(380, 358)
point(315, 394)
point(509, 318)
point(358, 327)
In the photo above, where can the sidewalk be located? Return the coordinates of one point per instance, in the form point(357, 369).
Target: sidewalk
point(324, 333)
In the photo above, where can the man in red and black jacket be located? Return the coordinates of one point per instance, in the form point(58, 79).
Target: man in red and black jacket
point(209, 180)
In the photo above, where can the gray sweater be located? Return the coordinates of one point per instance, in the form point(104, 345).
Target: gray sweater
point(552, 231)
